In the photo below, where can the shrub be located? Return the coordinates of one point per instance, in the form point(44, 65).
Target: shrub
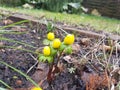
point(11, 2)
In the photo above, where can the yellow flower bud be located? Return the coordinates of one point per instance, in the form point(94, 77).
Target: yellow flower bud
point(56, 43)
point(69, 39)
point(46, 51)
point(50, 36)
point(36, 88)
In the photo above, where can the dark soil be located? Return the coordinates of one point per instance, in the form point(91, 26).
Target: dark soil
point(65, 80)
point(19, 59)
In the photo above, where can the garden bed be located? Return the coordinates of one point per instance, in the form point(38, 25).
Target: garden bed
point(93, 65)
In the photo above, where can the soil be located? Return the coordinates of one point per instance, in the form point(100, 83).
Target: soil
point(21, 60)
point(79, 79)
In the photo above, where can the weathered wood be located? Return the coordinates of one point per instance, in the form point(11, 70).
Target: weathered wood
point(82, 32)
point(109, 8)
point(17, 17)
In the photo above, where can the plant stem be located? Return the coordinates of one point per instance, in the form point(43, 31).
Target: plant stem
point(59, 57)
point(51, 73)
point(49, 76)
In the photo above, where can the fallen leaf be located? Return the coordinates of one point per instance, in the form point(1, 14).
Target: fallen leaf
point(75, 48)
point(67, 59)
point(60, 66)
point(72, 60)
point(94, 81)
point(85, 41)
point(8, 21)
point(19, 47)
point(40, 74)
point(19, 82)
point(28, 6)
point(1, 44)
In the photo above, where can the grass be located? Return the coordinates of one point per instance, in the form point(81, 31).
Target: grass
point(99, 23)
point(5, 84)
point(20, 72)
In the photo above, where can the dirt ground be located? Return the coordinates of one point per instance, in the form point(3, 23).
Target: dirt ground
point(93, 64)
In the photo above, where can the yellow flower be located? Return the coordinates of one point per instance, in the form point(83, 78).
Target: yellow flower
point(69, 39)
point(36, 88)
point(56, 43)
point(50, 36)
point(46, 51)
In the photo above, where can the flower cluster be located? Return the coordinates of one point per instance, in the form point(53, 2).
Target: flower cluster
point(55, 46)
point(36, 88)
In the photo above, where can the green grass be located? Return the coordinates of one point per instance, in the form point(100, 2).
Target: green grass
point(99, 23)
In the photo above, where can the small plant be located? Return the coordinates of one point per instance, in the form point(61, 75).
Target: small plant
point(50, 27)
point(53, 50)
point(71, 70)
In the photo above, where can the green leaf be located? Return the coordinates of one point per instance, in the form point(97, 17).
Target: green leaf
point(5, 84)
point(65, 7)
point(50, 27)
point(46, 42)
point(74, 5)
point(53, 51)
point(62, 47)
point(15, 41)
point(49, 59)
point(41, 58)
point(13, 24)
point(68, 50)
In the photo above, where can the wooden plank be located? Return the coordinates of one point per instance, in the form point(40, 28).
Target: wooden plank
point(18, 17)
